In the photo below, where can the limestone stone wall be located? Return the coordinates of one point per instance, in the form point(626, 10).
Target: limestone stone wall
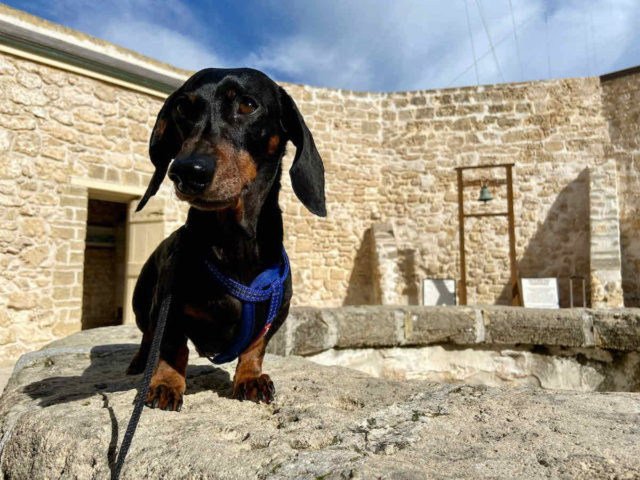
point(621, 102)
point(56, 126)
point(389, 159)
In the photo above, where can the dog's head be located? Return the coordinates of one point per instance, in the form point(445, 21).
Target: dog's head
point(226, 132)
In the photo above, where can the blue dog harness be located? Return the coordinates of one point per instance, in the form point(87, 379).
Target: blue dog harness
point(267, 285)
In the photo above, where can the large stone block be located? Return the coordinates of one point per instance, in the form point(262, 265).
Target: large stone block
point(311, 330)
point(424, 326)
point(530, 326)
point(368, 326)
point(65, 407)
point(617, 329)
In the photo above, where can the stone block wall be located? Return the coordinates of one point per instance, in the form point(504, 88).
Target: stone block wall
point(389, 159)
point(577, 349)
point(621, 106)
point(54, 126)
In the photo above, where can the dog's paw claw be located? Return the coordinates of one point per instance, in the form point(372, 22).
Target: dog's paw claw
point(165, 397)
point(258, 389)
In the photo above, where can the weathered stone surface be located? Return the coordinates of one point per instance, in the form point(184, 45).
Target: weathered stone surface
point(368, 326)
point(65, 409)
point(617, 329)
point(311, 331)
point(580, 369)
point(534, 327)
point(424, 326)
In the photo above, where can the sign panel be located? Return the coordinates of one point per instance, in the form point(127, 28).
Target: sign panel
point(540, 292)
point(438, 291)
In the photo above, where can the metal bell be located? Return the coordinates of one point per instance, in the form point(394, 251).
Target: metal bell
point(485, 194)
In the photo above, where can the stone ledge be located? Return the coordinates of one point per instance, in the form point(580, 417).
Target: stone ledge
point(310, 331)
point(66, 407)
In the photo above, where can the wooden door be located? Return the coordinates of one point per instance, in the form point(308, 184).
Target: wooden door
point(145, 231)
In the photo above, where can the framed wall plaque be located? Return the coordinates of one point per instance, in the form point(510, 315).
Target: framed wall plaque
point(438, 291)
point(540, 292)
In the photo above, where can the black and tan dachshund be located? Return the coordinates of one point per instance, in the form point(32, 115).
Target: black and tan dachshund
point(221, 136)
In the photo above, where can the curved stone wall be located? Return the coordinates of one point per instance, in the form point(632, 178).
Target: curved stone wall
point(389, 160)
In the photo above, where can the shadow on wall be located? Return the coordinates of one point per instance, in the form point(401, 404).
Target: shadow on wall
point(560, 246)
point(360, 289)
point(411, 279)
point(629, 198)
point(364, 281)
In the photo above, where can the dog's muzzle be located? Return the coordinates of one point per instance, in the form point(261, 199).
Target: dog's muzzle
point(192, 175)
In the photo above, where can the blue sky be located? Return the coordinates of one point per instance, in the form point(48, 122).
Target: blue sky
point(369, 45)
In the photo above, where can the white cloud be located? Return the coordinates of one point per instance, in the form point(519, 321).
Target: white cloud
point(425, 44)
point(150, 27)
point(375, 45)
point(161, 43)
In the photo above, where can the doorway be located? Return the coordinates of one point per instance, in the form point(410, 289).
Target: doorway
point(104, 264)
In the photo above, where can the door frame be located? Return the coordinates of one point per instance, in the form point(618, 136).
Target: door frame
point(129, 195)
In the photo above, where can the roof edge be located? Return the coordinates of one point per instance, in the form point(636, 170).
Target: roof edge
point(620, 73)
point(22, 32)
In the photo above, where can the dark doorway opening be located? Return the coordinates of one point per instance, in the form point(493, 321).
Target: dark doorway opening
point(104, 264)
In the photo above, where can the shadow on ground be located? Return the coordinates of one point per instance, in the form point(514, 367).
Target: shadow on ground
point(106, 374)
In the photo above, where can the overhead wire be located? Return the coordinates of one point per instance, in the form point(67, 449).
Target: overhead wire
point(486, 29)
point(487, 52)
point(473, 48)
point(515, 37)
point(546, 38)
point(594, 46)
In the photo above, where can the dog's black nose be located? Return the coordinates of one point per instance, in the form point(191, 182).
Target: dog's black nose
point(192, 175)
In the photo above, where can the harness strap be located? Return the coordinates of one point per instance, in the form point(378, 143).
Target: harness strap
point(269, 285)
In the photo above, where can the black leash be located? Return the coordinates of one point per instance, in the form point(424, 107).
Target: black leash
point(152, 360)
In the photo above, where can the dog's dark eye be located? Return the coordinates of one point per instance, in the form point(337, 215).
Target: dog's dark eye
point(247, 106)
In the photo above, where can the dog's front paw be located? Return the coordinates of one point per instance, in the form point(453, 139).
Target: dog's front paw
point(166, 392)
point(257, 389)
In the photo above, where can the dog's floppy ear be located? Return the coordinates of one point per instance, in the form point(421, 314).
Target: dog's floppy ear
point(163, 147)
point(307, 170)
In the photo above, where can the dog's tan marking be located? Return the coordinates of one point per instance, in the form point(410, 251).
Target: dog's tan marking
point(168, 382)
point(231, 93)
point(238, 209)
point(159, 129)
point(234, 169)
point(249, 383)
point(246, 166)
point(274, 141)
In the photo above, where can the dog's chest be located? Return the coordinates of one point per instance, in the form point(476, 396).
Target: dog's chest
point(211, 321)
point(211, 318)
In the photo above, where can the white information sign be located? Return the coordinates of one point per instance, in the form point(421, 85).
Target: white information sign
point(540, 292)
point(438, 291)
